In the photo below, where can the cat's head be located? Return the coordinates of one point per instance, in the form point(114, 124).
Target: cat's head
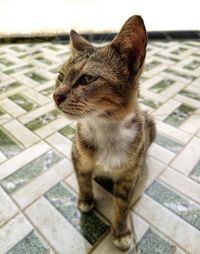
point(102, 81)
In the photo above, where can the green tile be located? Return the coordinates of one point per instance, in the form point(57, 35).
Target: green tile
point(179, 115)
point(106, 183)
point(184, 208)
point(36, 77)
point(169, 57)
point(1, 112)
point(90, 225)
point(168, 143)
point(31, 244)
point(7, 145)
point(68, 131)
point(43, 120)
point(151, 65)
point(180, 74)
point(18, 49)
point(5, 61)
point(195, 174)
point(179, 51)
point(153, 243)
point(27, 173)
point(53, 48)
point(24, 102)
point(162, 85)
point(192, 65)
point(153, 104)
point(189, 94)
point(43, 60)
point(48, 91)
point(18, 69)
point(12, 85)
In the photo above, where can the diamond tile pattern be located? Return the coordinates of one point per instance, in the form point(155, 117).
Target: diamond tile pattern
point(38, 212)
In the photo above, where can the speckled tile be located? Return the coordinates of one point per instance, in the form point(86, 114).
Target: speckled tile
point(36, 77)
point(42, 120)
point(9, 86)
point(27, 173)
point(168, 143)
point(180, 74)
point(31, 244)
point(162, 85)
point(24, 102)
point(153, 243)
point(89, 225)
point(192, 65)
point(151, 103)
point(189, 94)
point(195, 174)
point(7, 145)
point(68, 131)
point(48, 90)
point(179, 115)
point(183, 207)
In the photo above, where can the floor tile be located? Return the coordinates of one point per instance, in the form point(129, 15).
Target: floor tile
point(184, 208)
point(176, 229)
point(13, 232)
point(30, 244)
point(54, 227)
point(38, 186)
point(7, 207)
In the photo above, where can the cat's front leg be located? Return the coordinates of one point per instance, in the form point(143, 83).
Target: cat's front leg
point(83, 171)
point(123, 191)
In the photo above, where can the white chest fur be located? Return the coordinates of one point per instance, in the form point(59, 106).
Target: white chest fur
point(112, 140)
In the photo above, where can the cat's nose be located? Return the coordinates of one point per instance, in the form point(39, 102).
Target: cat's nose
point(58, 98)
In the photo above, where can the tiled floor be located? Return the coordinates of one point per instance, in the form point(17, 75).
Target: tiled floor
point(38, 188)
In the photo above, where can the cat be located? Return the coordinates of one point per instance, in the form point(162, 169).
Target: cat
point(98, 87)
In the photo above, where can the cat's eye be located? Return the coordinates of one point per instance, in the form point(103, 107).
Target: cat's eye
point(86, 79)
point(61, 77)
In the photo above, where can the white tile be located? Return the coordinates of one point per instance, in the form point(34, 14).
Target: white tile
point(57, 230)
point(7, 208)
point(61, 143)
point(172, 90)
point(151, 171)
point(12, 108)
point(36, 113)
point(21, 133)
point(22, 159)
point(166, 109)
point(13, 232)
point(176, 229)
point(160, 153)
point(177, 134)
point(2, 157)
point(181, 183)
point(53, 126)
point(192, 124)
point(36, 96)
point(188, 157)
point(187, 100)
point(41, 184)
point(5, 118)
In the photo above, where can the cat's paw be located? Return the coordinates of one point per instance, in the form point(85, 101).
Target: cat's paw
point(85, 206)
point(124, 242)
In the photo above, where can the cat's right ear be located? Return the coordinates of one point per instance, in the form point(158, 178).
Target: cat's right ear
point(78, 42)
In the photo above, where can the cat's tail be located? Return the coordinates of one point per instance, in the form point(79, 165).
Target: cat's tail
point(150, 127)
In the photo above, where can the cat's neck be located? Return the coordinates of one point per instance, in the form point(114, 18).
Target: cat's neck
point(111, 138)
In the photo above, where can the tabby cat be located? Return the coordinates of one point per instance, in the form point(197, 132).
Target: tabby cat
point(98, 87)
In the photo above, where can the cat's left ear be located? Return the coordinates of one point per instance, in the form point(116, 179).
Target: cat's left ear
point(78, 42)
point(131, 42)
